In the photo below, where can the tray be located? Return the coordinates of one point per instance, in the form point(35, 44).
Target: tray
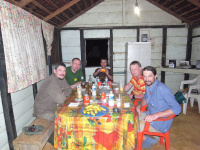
point(99, 114)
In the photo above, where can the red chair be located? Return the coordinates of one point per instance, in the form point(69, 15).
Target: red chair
point(142, 108)
point(146, 132)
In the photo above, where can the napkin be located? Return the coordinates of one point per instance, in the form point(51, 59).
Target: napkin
point(126, 105)
point(72, 104)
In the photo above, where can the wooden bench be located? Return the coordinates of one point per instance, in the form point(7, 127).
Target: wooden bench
point(34, 142)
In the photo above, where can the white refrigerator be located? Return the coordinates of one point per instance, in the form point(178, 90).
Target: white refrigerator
point(139, 51)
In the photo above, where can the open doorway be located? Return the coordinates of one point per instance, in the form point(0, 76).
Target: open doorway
point(95, 50)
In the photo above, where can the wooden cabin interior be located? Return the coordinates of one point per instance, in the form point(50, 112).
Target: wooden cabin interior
point(172, 27)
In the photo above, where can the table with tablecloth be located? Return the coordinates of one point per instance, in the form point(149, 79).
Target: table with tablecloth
point(113, 131)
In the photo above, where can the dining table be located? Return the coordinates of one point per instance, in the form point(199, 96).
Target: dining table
point(115, 130)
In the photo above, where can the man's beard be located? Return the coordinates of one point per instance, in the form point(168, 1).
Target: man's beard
point(149, 83)
point(60, 78)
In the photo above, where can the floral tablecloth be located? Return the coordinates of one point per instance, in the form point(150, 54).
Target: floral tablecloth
point(113, 131)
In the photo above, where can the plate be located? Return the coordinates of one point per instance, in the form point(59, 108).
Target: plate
point(99, 114)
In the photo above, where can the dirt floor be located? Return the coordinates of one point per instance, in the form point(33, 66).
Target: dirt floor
point(184, 133)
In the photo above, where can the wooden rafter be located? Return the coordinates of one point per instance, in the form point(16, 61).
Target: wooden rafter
point(56, 7)
point(195, 2)
point(83, 11)
point(187, 12)
point(58, 11)
point(78, 6)
point(175, 4)
point(85, 4)
point(72, 11)
point(168, 10)
point(44, 9)
point(23, 3)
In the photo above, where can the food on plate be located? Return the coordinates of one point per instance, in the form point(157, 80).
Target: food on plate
point(93, 109)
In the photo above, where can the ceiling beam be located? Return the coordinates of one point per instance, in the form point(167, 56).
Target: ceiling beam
point(85, 4)
point(71, 10)
point(44, 9)
point(168, 10)
point(195, 2)
point(175, 4)
point(187, 12)
point(56, 7)
point(58, 11)
point(82, 12)
point(78, 6)
point(23, 3)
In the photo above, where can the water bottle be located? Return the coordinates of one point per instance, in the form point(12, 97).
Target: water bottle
point(94, 90)
point(111, 99)
point(106, 81)
point(97, 80)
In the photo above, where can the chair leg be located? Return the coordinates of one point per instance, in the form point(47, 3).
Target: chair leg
point(191, 101)
point(184, 108)
point(198, 104)
point(139, 140)
point(167, 140)
point(161, 140)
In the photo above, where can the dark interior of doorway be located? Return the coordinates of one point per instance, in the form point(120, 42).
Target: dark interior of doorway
point(95, 50)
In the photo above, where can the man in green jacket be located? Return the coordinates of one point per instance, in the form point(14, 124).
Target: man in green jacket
point(74, 74)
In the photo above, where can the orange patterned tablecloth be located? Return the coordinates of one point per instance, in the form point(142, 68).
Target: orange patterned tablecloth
point(113, 131)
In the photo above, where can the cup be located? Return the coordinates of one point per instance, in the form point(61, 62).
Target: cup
point(83, 84)
point(121, 87)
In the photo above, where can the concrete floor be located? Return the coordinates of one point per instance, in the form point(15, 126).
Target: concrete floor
point(183, 135)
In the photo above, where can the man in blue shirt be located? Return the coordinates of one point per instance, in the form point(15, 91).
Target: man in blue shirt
point(161, 103)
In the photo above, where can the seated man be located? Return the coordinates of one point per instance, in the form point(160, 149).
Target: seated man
point(161, 103)
point(136, 81)
point(103, 71)
point(52, 92)
point(74, 74)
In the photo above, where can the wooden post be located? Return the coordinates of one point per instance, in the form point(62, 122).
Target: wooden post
point(163, 63)
point(6, 99)
point(111, 49)
point(83, 53)
point(188, 52)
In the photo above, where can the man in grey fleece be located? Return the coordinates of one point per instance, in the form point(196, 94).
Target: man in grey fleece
point(53, 91)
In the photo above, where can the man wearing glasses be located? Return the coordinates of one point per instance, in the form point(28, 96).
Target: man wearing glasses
point(74, 74)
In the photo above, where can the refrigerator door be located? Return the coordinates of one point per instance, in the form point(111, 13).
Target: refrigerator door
point(139, 51)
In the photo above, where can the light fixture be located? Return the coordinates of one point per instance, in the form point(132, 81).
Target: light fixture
point(137, 10)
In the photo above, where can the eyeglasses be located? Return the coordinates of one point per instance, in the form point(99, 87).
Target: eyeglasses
point(77, 64)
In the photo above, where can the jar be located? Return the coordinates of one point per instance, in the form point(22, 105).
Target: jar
point(86, 99)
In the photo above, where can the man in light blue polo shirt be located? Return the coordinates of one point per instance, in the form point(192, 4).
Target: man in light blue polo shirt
point(161, 103)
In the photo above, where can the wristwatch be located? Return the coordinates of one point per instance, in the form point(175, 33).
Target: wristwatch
point(133, 98)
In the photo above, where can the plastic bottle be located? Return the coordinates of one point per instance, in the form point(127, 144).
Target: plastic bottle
point(111, 99)
point(97, 80)
point(94, 90)
point(106, 81)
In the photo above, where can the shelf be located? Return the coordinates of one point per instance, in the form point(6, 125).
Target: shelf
point(179, 70)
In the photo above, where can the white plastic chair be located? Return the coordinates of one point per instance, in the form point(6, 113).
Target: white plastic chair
point(191, 96)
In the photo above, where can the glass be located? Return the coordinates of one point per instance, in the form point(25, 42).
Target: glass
point(83, 84)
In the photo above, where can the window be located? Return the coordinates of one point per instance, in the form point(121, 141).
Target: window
point(95, 50)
